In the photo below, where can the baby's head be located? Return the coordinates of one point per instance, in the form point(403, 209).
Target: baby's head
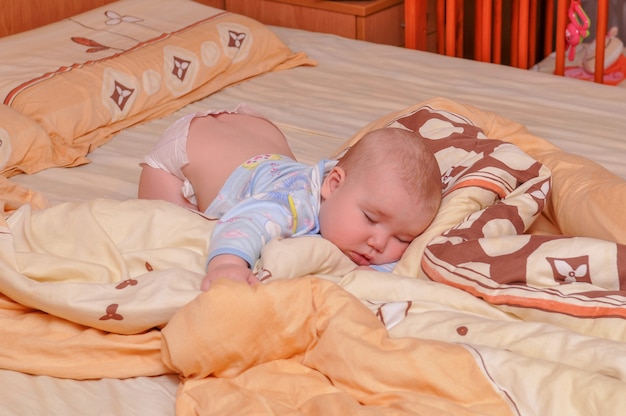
point(382, 193)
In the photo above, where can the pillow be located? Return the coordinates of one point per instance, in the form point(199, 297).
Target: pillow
point(282, 258)
point(584, 195)
point(25, 147)
point(15, 195)
point(586, 198)
point(87, 77)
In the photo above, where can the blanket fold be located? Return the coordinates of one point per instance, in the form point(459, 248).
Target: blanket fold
point(315, 331)
point(120, 266)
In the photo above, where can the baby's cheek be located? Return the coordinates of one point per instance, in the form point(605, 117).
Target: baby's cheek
point(395, 250)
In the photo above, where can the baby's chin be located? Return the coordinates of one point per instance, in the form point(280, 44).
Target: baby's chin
point(364, 268)
point(362, 261)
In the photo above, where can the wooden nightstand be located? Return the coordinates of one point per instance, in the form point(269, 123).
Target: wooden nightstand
point(379, 21)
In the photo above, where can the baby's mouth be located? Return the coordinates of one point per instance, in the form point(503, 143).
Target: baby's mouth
point(359, 259)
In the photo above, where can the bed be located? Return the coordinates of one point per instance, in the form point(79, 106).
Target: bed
point(512, 302)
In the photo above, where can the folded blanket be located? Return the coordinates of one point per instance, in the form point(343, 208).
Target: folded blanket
point(305, 346)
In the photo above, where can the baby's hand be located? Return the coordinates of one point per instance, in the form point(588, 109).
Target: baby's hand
point(229, 267)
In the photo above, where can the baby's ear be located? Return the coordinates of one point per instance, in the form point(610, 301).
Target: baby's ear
point(332, 181)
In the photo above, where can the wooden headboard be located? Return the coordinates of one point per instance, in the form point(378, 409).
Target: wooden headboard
point(20, 15)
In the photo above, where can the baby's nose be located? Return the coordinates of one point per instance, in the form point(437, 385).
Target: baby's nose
point(378, 242)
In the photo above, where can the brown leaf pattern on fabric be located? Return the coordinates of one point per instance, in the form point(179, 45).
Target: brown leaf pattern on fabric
point(125, 283)
point(111, 313)
point(93, 46)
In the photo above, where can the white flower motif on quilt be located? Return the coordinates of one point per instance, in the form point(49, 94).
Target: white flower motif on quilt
point(569, 273)
point(568, 269)
point(115, 18)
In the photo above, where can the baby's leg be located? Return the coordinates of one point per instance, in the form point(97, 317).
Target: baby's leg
point(217, 144)
point(158, 184)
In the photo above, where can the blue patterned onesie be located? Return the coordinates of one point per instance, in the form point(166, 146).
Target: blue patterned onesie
point(266, 197)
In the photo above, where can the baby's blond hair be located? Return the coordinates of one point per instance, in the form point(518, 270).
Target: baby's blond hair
point(401, 152)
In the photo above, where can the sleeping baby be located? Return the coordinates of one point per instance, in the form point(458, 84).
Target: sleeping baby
point(236, 166)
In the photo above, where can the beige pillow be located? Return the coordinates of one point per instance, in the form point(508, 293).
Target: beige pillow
point(300, 256)
point(25, 147)
point(587, 200)
point(87, 77)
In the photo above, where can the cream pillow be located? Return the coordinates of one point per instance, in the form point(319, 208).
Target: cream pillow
point(85, 78)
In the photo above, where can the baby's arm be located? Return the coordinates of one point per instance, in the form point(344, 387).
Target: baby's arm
point(228, 266)
point(240, 235)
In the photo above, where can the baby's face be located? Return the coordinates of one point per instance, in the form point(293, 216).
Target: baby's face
point(371, 219)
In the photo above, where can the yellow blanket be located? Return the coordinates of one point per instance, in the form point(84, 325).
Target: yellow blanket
point(305, 346)
point(111, 289)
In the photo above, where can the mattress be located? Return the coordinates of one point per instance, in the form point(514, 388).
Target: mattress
point(541, 356)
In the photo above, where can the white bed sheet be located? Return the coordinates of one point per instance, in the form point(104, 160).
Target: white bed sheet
point(26, 395)
point(318, 109)
point(356, 83)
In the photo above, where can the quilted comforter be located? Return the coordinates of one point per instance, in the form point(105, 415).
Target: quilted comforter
point(512, 302)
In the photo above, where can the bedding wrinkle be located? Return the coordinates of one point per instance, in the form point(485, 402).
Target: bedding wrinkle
point(48, 345)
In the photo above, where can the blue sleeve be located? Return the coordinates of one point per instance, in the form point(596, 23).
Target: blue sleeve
point(250, 224)
point(387, 267)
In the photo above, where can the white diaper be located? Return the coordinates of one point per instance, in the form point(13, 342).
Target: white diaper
point(170, 152)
